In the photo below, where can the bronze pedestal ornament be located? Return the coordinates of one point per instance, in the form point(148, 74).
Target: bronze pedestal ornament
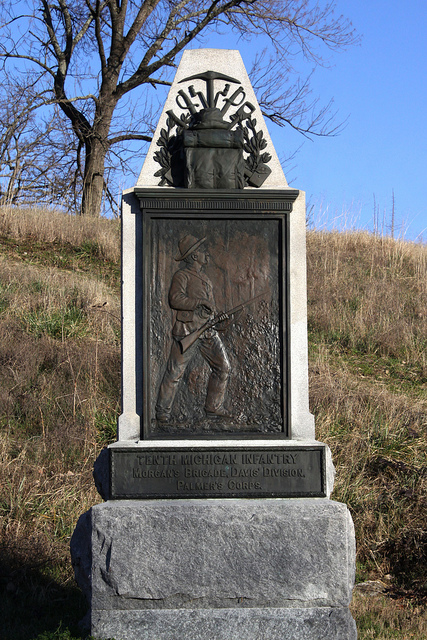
point(200, 149)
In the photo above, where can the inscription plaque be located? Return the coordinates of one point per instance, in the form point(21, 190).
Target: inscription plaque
point(217, 472)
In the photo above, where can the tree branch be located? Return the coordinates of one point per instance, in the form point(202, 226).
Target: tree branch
point(129, 136)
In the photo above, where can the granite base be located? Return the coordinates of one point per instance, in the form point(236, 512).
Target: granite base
point(217, 569)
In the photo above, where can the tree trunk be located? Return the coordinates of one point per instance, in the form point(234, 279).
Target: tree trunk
point(96, 148)
point(93, 184)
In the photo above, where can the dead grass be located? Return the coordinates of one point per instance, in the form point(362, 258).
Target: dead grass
point(368, 293)
point(59, 399)
point(99, 235)
point(384, 618)
point(59, 304)
point(368, 383)
point(379, 449)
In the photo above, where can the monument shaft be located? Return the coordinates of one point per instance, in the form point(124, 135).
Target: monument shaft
point(217, 523)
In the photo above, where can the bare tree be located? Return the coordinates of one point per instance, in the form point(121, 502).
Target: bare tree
point(92, 55)
point(37, 153)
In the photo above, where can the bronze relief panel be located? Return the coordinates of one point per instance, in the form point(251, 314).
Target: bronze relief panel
point(214, 324)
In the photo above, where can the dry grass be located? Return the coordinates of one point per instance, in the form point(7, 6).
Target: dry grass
point(384, 618)
point(59, 304)
point(379, 447)
point(59, 399)
point(368, 293)
point(368, 373)
point(52, 226)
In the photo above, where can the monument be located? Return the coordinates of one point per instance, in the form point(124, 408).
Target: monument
point(217, 522)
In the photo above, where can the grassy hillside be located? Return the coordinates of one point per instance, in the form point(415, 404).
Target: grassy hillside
point(59, 398)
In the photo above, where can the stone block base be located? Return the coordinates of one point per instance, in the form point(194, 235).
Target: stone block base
point(323, 623)
point(217, 569)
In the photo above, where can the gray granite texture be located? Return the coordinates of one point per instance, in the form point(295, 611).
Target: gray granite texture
point(216, 559)
point(226, 624)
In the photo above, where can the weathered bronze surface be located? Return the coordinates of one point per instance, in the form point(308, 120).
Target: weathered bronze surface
point(217, 473)
point(200, 149)
point(231, 379)
point(213, 315)
point(191, 297)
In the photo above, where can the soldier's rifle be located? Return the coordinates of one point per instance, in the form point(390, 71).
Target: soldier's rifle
point(189, 340)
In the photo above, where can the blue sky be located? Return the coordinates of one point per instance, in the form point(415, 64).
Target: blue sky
point(381, 86)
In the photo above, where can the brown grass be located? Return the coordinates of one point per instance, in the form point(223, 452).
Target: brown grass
point(384, 618)
point(368, 293)
point(59, 399)
point(368, 374)
point(52, 226)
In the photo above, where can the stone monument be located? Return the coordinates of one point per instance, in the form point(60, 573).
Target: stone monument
point(217, 523)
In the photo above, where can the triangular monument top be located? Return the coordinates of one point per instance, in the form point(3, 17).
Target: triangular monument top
point(211, 133)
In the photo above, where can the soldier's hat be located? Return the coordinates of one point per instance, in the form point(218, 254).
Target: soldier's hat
point(186, 245)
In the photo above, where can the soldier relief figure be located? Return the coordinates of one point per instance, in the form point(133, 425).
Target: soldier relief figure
point(191, 296)
point(215, 368)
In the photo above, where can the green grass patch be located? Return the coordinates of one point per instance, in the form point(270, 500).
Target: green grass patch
point(60, 324)
point(106, 426)
point(398, 375)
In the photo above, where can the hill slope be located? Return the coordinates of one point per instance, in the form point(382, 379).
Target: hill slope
point(59, 398)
